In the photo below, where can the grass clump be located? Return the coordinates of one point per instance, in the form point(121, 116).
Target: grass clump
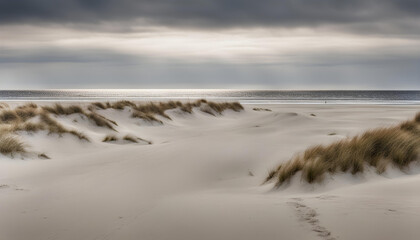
point(3, 105)
point(55, 127)
point(26, 113)
point(28, 127)
point(398, 145)
point(110, 138)
point(145, 116)
point(28, 105)
point(130, 138)
point(8, 116)
point(10, 144)
point(59, 109)
point(120, 105)
point(43, 156)
point(101, 121)
point(100, 105)
point(220, 107)
point(262, 109)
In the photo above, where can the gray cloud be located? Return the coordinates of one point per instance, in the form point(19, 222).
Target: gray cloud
point(64, 68)
point(211, 13)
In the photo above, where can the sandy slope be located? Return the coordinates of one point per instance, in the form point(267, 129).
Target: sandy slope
point(195, 181)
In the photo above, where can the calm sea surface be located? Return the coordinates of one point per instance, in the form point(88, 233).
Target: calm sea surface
point(244, 96)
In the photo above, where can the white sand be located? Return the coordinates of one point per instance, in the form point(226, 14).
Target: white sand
point(194, 181)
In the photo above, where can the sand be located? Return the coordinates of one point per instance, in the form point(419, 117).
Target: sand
point(201, 179)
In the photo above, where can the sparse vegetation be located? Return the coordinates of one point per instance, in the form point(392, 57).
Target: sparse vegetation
point(3, 105)
point(145, 116)
point(8, 116)
point(110, 138)
point(398, 145)
point(43, 156)
point(130, 138)
point(33, 118)
point(262, 109)
point(58, 109)
point(220, 107)
point(55, 127)
point(101, 121)
point(10, 144)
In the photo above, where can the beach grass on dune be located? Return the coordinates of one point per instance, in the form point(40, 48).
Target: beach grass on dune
point(10, 144)
point(110, 138)
point(54, 127)
point(398, 145)
point(130, 138)
point(32, 118)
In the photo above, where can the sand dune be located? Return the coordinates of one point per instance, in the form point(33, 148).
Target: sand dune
point(201, 178)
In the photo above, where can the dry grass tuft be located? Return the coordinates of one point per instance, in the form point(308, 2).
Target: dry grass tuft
point(399, 145)
point(120, 105)
point(130, 139)
point(28, 127)
point(55, 127)
point(28, 105)
point(207, 109)
point(417, 118)
point(10, 145)
point(8, 116)
point(3, 105)
point(100, 105)
point(145, 116)
point(152, 108)
point(43, 156)
point(220, 107)
point(26, 113)
point(101, 121)
point(262, 109)
point(58, 109)
point(110, 138)
point(96, 118)
point(148, 111)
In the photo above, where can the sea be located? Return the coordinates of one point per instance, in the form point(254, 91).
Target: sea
point(243, 96)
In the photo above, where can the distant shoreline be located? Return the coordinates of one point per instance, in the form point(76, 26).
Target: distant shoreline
point(243, 96)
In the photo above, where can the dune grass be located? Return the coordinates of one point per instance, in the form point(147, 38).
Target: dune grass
point(110, 138)
point(10, 144)
point(3, 105)
point(101, 121)
point(58, 109)
point(130, 138)
point(94, 117)
point(33, 118)
point(398, 145)
point(54, 127)
point(8, 116)
point(150, 111)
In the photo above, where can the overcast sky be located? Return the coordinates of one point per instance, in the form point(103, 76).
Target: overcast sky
point(264, 44)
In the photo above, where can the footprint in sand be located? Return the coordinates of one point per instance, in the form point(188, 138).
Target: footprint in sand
point(308, 215)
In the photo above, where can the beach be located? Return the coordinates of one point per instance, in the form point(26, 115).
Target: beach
point(200, 176)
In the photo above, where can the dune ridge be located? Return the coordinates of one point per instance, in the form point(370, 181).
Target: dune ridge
point(31, 118)
point(397, 145)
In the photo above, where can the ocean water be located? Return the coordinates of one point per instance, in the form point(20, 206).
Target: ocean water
point(243, 96)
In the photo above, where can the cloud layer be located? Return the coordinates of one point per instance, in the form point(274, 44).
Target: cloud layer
point(214, 13)
point(287, 44)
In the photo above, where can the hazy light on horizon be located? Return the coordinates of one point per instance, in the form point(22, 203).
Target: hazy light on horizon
point(369, 49)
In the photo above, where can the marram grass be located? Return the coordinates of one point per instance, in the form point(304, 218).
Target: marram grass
point(378, 148)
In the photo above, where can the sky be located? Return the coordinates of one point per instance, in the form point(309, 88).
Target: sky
point(248, 44)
